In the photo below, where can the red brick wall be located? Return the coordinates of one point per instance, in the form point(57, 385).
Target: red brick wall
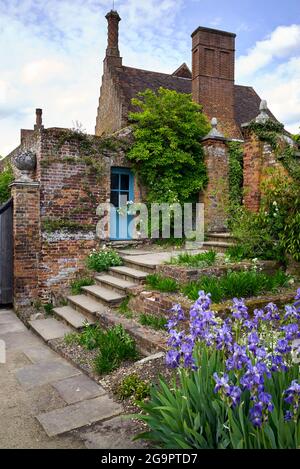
point(213, 76)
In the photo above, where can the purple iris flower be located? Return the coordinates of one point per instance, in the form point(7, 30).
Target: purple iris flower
point(256, 414)
point(272, 313)
point(291, 312)
point(288, 416)
point(238, 358)
point(283, 346)
point(235, 395)
point(172, 358)
point(178, 313)
point(291, 331)
point(221, 383)
point(253, 341)
point(239, 309)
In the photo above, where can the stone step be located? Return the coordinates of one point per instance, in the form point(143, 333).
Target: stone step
point(49, 329)
point(86, 305)
point(128, 273)
point(117, 284)
point(79, 415)
point(105, 295)
point(74, 318)
point(219, 246)
point(135, 263)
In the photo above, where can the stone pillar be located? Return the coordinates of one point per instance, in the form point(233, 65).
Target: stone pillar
point(252, 170)
point(216, 194)
point(26, 233)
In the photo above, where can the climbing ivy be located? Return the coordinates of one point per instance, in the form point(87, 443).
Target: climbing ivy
point(167, 154)
point(235, 173)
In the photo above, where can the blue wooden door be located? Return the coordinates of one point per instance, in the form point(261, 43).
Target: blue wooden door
point(122, 192)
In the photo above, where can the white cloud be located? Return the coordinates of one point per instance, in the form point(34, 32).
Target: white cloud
point(272, 67)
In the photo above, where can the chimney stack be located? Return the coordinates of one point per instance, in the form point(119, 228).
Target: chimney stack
point(213, 57)
point(38, 119)
point(113, 20)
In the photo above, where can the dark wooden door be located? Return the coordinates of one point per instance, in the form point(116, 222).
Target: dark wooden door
point(6, 253)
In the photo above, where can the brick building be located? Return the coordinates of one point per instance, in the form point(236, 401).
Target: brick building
point(62, 177)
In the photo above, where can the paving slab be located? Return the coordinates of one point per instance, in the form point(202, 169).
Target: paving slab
point(8, 318)
point(41, 354)
point(19, 340)
point(50, 329)
point(44, 373)
point(73, 317)
point(12, 327)
point(78, 388)
point(79, 415)
point(105, 294)
point(116, 433)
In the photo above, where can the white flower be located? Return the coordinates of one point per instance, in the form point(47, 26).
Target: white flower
point(274, 203)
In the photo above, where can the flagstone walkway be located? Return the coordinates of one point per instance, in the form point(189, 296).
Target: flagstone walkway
point(47, 403)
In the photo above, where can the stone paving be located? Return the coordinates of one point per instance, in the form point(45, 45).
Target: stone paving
point(43, 398)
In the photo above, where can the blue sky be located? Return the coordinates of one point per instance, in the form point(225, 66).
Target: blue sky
point(51, 53)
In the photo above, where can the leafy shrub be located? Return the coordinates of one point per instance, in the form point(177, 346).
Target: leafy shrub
point(202, 259)
point(102, 260)
point(124, 309)
point(242, 284)
point(160, 283)
point(115, 346)
point(49, 309)
point(167, 153)
point(90, 337)
point(153, 321)
point(77, 285)
point(6, 178)
point(237, 381)
point(133, 386)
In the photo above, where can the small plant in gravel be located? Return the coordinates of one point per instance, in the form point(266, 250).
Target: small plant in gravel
point(77, 285)
point(124, 309)
point(115, 346)
point(101, 261)
point(160, 283)
point(236, 284)
point(72, 338)
point(49, 309)
point(133, 386)
point(203, 259)
point(155, 322)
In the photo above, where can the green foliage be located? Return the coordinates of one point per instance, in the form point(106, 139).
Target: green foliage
point(267, 131)
point(155, 322)
point(100, 261)
point(190, 415)
point(49, 309)
point(235, 173)
point(160, 283)
point(115, 346)
point(133, 386)
point(124, 308)
point(241, 284)
point(167, 154)
point(170, 242)
point(72, 338)
point(77, 285)
point(203, 259)
point(6, 178)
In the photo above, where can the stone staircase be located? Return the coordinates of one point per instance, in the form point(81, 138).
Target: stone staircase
point(98, 300)
point(219, 242)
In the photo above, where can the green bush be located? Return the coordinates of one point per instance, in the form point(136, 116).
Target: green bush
point(153, 321)
point(167, 153)
point(6, 178)
point(77, 285)
point(242, 284)
point(203, 259)
point(49, 309)
point(100, 261)
point(124, 309)
point(160, 283)
point(133, 386)
point(115, 346)
point(90, 337)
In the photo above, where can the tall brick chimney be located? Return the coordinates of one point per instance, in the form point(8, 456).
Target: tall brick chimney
point(213, 55)
point(112, 50)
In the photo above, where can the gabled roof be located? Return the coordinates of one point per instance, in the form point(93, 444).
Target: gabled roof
point(183, 71)
point(134, 80)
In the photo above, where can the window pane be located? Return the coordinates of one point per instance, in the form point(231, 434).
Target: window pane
point(115, 181)
point(114, 198)
point(125, 182)
point(124, 198)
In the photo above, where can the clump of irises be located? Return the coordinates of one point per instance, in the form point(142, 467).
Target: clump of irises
point(256, 353)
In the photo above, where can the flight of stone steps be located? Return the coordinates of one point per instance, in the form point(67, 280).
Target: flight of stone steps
point(109, 291)
point(219, 242)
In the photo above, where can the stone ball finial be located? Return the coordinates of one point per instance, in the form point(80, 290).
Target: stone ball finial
point(26, 163)
point(214, 122)
point(263, 105)
point(214, 131)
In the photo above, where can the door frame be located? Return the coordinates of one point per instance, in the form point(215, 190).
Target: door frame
point(119, 171)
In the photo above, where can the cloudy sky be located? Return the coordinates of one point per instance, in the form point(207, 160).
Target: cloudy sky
point(51, 53)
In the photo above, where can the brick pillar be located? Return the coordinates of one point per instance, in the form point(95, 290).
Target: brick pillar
point(26, 232)
point(216, 194)
point(253, 162)
point(113, 20)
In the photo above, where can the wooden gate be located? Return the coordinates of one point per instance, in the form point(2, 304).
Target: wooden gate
point(6, 253)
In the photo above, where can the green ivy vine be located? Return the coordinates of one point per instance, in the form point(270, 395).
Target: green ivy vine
point(235, 173)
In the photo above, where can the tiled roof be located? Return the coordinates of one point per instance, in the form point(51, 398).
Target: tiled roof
point(134, 80)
